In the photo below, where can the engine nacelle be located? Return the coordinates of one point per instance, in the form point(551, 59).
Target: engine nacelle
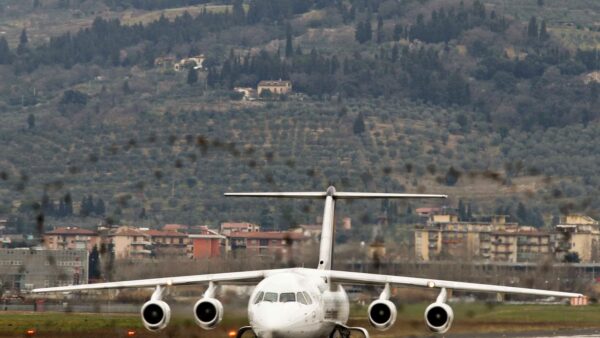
point(156, 315)
point(439, 317)
point(208, 313)
point(382, 314)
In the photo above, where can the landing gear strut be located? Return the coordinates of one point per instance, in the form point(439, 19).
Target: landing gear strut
point(245, 329)
point(342, 331)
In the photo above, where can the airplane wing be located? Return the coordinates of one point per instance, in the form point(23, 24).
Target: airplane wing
point(224, 278)
point(345, 277)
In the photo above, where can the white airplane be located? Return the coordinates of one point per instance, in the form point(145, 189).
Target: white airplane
point(300, 302)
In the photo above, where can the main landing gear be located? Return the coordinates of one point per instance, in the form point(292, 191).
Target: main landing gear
point(342, 331)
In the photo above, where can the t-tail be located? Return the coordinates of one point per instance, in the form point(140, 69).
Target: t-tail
point(330, 196)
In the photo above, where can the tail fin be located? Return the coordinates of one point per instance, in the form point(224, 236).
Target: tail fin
point(326, 249)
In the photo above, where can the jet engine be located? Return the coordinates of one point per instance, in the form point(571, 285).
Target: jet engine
point(156, 315)
point(382, 314)
point(208, 313)
point(438, 317)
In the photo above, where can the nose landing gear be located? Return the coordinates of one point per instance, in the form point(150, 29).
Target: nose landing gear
point(246, 332)
point(342, 331)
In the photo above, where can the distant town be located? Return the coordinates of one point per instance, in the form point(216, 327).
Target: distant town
point(72, 255)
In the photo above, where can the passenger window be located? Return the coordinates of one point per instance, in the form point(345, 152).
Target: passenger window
point(301, 298)
point(287, 297)
point(270, 297)
point(308, 299)
point(258, 297)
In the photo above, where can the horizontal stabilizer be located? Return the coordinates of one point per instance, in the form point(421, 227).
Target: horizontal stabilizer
point(351, 195)
point(279, 194)
point(334, 194)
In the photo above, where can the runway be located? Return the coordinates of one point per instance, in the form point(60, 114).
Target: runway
point(589, 333)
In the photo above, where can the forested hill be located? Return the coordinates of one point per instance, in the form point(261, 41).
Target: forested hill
point(424, 92)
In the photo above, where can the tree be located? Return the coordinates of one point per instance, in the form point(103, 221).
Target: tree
point(363, 32)
point(380, 33)
point(126, 89)
point(239, 15)
point(543, 31)
point(100, 207)
point(47, 205)
point(5, 54)
point(398, 31)
point(68, 205)
point(368, 30)
point(192, 76)
point(359, 124)
point(31, 121)
point(23, 41)
point(74, 97)
point(94, 264)
point(532, 28)
point(452, 176)
point(395, 52)
point(462, 212)
point(87, 206)
point(289, 48)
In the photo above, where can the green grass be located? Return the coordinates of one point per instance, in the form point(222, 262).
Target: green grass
point(469, 318)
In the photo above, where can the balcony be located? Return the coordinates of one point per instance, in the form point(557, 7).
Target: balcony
point(140, 252)
point(141, 242)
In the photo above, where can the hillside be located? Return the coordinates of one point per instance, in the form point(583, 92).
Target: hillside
point(488, 110)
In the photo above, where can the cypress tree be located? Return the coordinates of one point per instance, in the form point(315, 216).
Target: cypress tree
point(289, 48)
point(5, 55)
point(532, 28)
point(359, 32)
point(31, 121)
point(94, 264)
point(100, 207)
point(397, 31)
point(359, 124)
point(380, 34)
point(543, 31)
point(192, 76)
point(368, 30)
point(239, 15)
point(23, 41)
point(68, 205)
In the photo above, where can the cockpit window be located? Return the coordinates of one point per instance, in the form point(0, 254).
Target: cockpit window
point(308, 299)
point(287, 297)
point(270, 297)
point(258, 297)
point(301, 299)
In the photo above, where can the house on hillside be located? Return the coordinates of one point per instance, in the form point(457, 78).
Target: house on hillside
point(274, 87)
point(168, 243)
point(229, 227)
point(71, 238)
point(249, 94)
point(591, 77)
point(129, 242)
point(195, 62)
point(164, 61)
point(206, 244)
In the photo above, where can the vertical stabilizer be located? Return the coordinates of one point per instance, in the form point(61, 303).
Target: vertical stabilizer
point(328, 230)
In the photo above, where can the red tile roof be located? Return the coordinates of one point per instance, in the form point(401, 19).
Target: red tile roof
point(128, 232)
point(268, 235)
point(160, 233)
point(72, 231)
point(174, 227)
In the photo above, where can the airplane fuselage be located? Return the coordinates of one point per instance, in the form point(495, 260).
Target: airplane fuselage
point(296, 305)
